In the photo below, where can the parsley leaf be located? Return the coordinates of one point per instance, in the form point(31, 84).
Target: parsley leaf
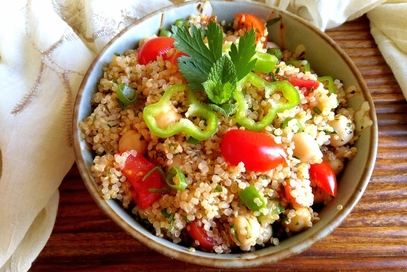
point(194, 71)
point(221, 81)
point(215, 42)
point(242, 56)
point(196, 66)
point(206, 69)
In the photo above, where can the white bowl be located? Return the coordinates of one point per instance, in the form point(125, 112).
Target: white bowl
point(326, 58)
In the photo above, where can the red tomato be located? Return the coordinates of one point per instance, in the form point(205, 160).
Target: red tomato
point(256, 150)
point(174, 57)
point(153, 48)
point(324, 177)
point(249, 21)
point(307, 83)
point(135, 169)
point(198, 233)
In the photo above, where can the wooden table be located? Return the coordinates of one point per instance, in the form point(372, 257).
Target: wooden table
point(373, 237)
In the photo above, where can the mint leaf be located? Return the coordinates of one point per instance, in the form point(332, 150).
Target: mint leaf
point(221, 81)
point(242, 55)
point(224, 109)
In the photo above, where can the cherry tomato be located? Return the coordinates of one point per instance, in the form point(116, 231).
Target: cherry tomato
point(306, 83)
point(153, 48)
point(143, 191)
point(174, 57)
point(198, 233)
point(256, 150)
point(324, 177)
point(249, 21)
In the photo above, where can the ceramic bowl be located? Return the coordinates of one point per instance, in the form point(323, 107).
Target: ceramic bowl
point(292, 33)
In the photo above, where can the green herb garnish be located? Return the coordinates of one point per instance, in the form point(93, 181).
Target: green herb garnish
point(272, 21)
point(205, 68)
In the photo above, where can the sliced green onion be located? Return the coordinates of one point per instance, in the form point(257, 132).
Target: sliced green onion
point(157, 168)
point(288, 119)
point(273, 21)
point(165, 213)
point(218, 188)
point(192, 140)
point(126, 94)
point(317, 110)
point(234, 232)
point(252, 198)
point(328, 83)
point(279, 208)
point(179, 22)
point(275, 51)
point(176, 179)
point(165, 33)
point(158, 191)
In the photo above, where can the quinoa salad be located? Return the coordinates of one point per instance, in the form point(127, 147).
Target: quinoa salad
point(214, 138)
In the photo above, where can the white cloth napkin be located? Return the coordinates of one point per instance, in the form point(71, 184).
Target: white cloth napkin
point(388, 24)
point(46, 47)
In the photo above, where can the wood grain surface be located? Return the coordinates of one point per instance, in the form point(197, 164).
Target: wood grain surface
point(373, 237)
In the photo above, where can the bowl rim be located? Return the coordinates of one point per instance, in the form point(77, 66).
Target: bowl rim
point(247, 259)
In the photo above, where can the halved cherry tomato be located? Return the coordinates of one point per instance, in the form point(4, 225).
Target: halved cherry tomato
point(198, 233)
point(258, 151)
point(249, 21)
point(144, 188)
point(324, 177)
point(173, 58)
point(306, 83)
point(153, 48)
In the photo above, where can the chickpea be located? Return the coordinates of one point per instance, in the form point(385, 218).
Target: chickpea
point(344, 130)
point(337, 165)
point(167, 117)
point(306, 148)
point(132, 140)
point(266, 234)
point(300, 221)
point(245, 231)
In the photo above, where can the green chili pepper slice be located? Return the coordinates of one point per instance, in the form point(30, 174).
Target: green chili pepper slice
point(287, 89)
point(126, 94)
point(328, 83)
point(184, 125)
point(265, 63)
point(176, 179)
point(252, 198)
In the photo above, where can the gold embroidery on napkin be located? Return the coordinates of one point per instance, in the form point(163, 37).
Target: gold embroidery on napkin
point(47, 62)
point(74, 14)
